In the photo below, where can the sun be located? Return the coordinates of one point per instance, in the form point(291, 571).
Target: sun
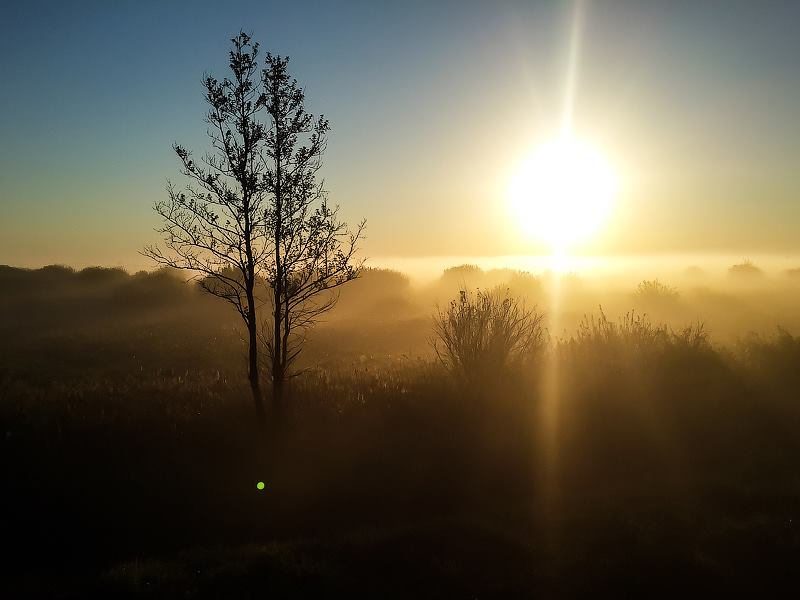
point(562, 192)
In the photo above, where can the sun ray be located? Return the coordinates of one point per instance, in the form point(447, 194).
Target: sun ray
point(576, 28)
point(562, 191)
point(551, 404)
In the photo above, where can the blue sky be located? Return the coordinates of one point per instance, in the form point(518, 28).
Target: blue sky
point(431, 104)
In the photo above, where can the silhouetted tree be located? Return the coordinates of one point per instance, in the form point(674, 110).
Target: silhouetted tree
point(254, 214)
point(216, 227)
point(313, 251)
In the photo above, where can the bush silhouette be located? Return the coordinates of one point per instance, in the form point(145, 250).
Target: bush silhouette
point(745, 270)
point(694, 272)
point(653, 290)
point(632, 339)
point(480, 336)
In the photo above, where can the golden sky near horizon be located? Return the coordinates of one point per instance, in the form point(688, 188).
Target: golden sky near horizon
point(692, 108)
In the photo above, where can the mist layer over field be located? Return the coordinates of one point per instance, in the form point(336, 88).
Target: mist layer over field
point(388, 312)
point(662, 412)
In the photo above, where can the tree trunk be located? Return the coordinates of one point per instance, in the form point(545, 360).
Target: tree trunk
point(277, 391)
point(277, 357)
point(277, 370)
point(277, 351)
point(255, 384)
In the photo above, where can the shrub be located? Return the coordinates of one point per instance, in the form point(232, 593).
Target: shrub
point(745, 270)
point(793, 273)
point(694, 272)
point(775, 359)
point(654, 290)
point(632, 339)
point(525, 284)
point(481, 336)
point(462, 271)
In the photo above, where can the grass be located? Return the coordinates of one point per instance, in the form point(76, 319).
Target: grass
point(136, 477)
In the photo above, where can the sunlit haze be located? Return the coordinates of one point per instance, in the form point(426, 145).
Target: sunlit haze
point(435, 108)
point(411, 299)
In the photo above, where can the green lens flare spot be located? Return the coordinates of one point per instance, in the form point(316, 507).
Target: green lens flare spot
point(260, 485)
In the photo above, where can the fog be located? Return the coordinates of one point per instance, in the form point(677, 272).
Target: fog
point(661, 411)
point(397, 300)
point(148, 317)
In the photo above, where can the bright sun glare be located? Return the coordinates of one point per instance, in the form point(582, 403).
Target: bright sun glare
point(562, 192)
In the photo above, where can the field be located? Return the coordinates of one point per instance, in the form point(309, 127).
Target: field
point(667, 464)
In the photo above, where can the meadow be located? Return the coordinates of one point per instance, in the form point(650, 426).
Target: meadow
point(666, 464)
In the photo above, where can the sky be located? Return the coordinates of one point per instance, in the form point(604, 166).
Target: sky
point(432, 106)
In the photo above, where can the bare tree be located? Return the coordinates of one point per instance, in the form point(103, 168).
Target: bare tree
point(255, 215)
point(216, 226)
point(313, 250)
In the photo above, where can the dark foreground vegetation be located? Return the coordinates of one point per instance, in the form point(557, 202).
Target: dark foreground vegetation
point(130, 454)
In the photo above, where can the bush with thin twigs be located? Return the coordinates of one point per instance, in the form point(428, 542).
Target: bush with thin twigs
point(745, 270)
point(793, 274)
point(653, 290)
point(773, 359)
point(482, 335)
point(632, 339)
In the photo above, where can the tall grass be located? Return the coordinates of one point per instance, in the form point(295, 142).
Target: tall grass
point(632, 338)
point(676, 461)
